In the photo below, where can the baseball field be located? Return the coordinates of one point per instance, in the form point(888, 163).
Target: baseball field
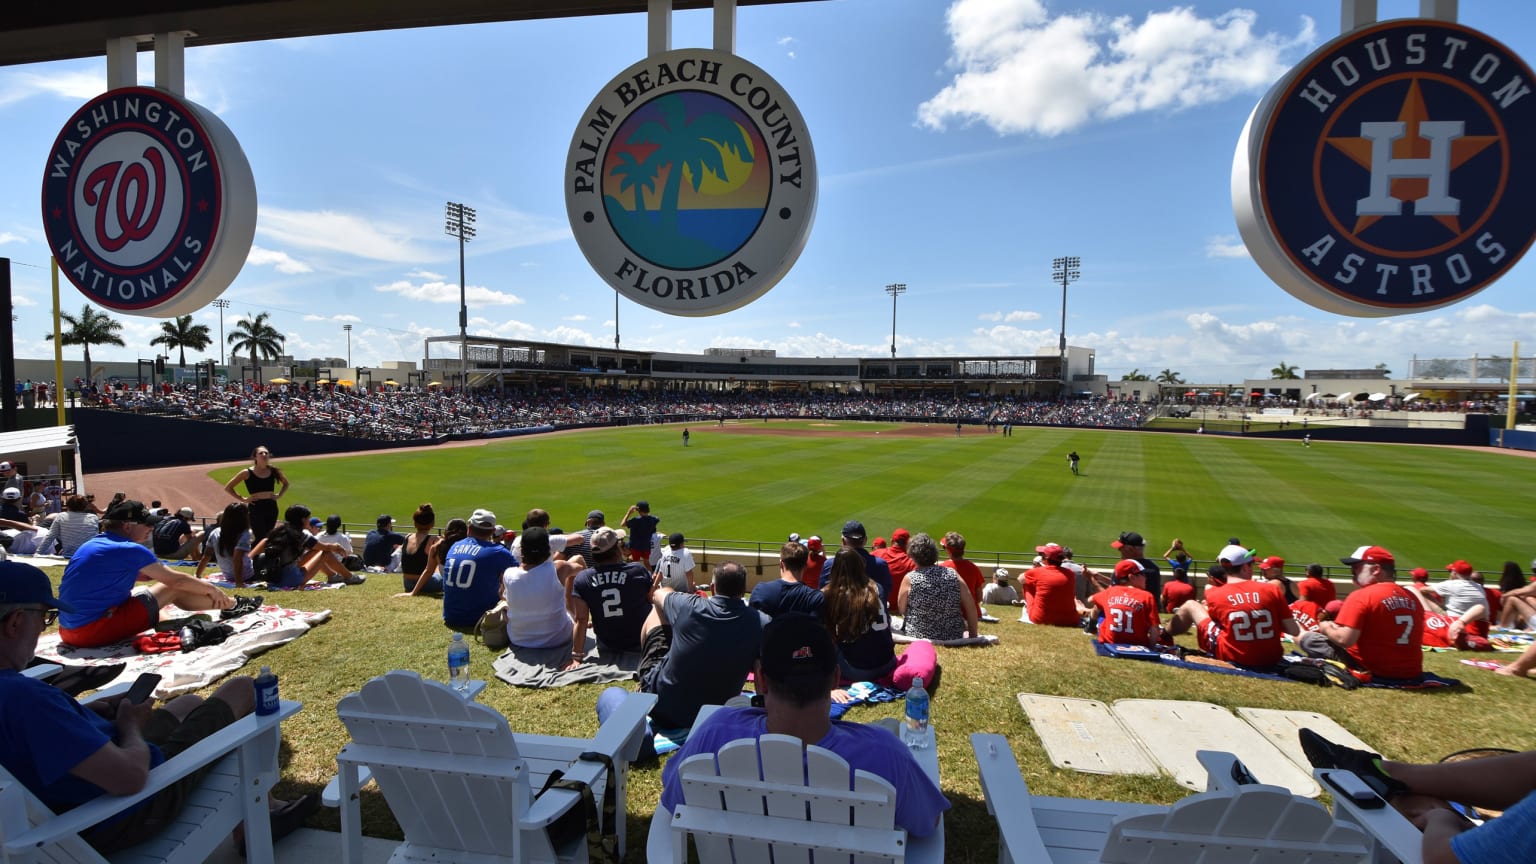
point(761, 481)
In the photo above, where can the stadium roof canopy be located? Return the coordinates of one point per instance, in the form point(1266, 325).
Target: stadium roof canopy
point(33, 31)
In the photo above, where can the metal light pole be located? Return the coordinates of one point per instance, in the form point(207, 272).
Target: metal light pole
point(348, 329)
point(616, 320)
point(222, 304)
point(895, 291)
point(461, 224)
point(1065, 271)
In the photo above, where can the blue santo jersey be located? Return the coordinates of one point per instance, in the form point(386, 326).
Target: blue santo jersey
point(472, 579)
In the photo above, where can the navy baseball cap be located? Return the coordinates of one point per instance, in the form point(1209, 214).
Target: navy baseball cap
point(23, 583)
point(853, 529)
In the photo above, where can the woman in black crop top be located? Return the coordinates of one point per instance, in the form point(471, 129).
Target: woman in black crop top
point(418, 550)
point(261, 490)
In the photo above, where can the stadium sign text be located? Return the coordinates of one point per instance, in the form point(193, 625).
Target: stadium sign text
point(1387, 173)
point(690, 182)
point(148, 203)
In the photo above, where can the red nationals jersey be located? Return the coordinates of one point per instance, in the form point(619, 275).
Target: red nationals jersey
point(1176, 594)
point(1319, 591)
point(1307, 614)
point(1130, 615)
point(1051, 593)
point(1391, 625)
point(1250, 616)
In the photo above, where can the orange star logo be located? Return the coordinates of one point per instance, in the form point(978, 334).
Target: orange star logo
point(1412, 146)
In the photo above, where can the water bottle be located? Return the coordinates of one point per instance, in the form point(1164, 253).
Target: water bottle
point(914, 733)
point(266, 693)
point(458, 663)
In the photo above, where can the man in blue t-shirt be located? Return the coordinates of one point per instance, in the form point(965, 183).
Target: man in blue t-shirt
point(698, 648)
point(100, 583)
point(795, 675)
point(67, 754)
point(472, 573)
point(641, 527)
point(380, 544)
point(787, 593)
point(613, 593)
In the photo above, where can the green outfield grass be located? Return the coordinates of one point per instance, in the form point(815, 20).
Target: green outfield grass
point(1428, 505)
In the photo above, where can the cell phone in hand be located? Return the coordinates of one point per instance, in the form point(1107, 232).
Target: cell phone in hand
point(142, 688)
point(1348, 785)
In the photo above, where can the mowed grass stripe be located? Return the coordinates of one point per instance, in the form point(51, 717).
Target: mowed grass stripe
point(1004, 494)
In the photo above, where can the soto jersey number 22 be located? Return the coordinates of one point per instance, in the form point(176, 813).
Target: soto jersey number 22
point(1255, 625)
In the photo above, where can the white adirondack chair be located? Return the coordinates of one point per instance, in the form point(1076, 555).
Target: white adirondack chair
point(1233, 822)
point(460, 783)
point(1396, 839)
point(244, 759)
point(799, 807)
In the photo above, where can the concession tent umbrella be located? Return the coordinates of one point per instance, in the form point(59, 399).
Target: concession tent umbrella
point(434, 384)
point(1361, 397)
point(1343, 396)
point(1312, 396)
point(323, 381)
point(279, 381)
point(346, 382)
point(390, 382)
point(1410, 397)
point(1377, 397)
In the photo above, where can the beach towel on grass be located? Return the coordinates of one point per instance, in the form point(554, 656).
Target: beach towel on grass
point(183, 672)
point(539, 668)
point(865, 692)
point(227, 585)
point(1430, 681)
point(903, 639)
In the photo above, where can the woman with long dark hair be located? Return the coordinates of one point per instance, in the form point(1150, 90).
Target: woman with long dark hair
point(854, 613)
point(300, 557)
point(261, 481)
point(1517, 603)
point(416, 554)
point(456, 530)
point(229, 545)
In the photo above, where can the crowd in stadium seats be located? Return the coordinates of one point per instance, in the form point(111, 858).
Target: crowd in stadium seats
point(399, 413)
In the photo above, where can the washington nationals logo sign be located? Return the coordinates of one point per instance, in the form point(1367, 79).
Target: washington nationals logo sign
point(148, 203)
point(1390, 171)
point(690, 182)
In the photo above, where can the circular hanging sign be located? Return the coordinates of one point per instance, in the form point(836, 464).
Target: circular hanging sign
point(148, 203)
point(1388, 173)
point(690, 182)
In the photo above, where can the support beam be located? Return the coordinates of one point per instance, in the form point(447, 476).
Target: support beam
point(122, 63)
point(658, 23)
point(171, 63)
point(725, 26)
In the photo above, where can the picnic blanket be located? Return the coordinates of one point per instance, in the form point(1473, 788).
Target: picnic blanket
point(1430, 681)
point(865, 692)
point(183, 672)
point(903, 639)
point(262, 586)
point(539, 668)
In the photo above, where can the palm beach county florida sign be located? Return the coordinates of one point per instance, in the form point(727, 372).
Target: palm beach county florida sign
point(690, 182)
point(149, 205)
point(1391, 171)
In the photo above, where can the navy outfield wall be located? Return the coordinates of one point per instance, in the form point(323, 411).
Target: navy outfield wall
point(121, 441)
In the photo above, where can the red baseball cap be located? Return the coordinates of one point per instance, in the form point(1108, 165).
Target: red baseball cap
point(1369, 555)
point(1459, 567)
point(813, 544)
point(1272, 561)
point(900, 535)
point(1051, 551)
point(1127, 568)
point(879, 542)
point(1333, 607)
point(1420, 574)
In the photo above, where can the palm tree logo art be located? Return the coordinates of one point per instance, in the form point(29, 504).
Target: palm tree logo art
point(699, 149)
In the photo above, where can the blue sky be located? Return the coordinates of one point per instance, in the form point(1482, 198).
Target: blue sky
point(962, 146)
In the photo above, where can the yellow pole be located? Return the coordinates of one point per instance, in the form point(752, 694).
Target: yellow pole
point(1514, 385)
point(58, 345)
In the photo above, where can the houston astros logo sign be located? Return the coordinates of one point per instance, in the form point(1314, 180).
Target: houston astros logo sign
point(148, 203)
point(690, 182)
point(1389, 172)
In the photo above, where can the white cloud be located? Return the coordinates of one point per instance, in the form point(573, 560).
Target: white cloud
point(343, 319)
point(327, 230)
point(1022, 70)
point(9, 237)
point(574, 318)
point(76, 85)
point(990, 316)
point(442, 292)
point(280, 260)
point(427, 275)
point(1013, 317)
point(1225, 246)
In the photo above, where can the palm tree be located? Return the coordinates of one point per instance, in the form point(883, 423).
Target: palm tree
point(641, 176)
point(90, 328)
point(1284, 372)
point(1168, 376)
point(254, 335)
point(1137, 375)
point(694, 145)
point(180, 333)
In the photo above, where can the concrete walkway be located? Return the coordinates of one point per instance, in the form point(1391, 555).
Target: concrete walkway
point(310, 846)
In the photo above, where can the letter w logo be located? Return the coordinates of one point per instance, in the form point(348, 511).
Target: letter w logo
point(1436, 169)
point(132, 198)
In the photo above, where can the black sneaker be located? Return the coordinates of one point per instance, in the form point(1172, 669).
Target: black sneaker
point(243, 606)
point(1323, 753)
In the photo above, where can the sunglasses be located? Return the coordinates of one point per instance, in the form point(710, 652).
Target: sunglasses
point(49, 615)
